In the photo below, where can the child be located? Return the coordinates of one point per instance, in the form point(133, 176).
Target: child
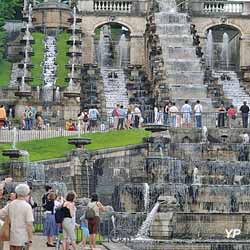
point(85, 231)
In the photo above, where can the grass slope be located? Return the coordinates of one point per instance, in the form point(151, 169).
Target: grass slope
point(58, 147)
point(62, 58)
point(37, 59)
point(5, 72)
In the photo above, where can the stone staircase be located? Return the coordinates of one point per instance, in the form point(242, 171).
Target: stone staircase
point(115, 91)
point(184, 75)
point(232, 88)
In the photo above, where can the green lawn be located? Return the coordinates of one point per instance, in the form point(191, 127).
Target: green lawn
point(37, 59)
point(58, 147)
point(61, 58)
point(5, 72)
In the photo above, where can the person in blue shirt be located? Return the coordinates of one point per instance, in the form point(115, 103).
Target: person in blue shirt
point(122, 116)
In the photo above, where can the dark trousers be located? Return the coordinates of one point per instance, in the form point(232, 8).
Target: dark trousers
point(221, 120)
point(137, 120)
point(245, 120)
point(120, 123)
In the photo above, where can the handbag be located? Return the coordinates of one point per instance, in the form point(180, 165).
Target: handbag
point(5, 230)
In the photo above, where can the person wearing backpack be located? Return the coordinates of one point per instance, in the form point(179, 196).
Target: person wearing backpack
point(92, 214)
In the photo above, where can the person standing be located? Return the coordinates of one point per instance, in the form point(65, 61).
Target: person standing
point(173, 110)
point(115, 115)
point(186, 114)
point(231, 114)
point(137, 115)
point(166, 113)
point(3, 116)
point(244, 114)
point(198, 114)
point(68, 223)
point(155, 115)
point(97, 206)
point(93, 116)
point(221, 115)
point(21, 218)
point(122, 116)
point(50, 227)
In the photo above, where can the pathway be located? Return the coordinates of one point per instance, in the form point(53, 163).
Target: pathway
point(39, 243)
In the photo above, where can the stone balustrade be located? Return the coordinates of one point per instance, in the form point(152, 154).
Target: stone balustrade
point(218, 7)
point(231, 7)
point(113, 6)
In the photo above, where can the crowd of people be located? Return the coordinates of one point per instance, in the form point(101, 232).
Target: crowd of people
point(172, 116)
point(59, 218)
point(120, 118)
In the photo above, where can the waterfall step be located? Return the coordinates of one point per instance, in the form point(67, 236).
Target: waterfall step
point(165, 17)
point(115, 91)
point(173, 29)
point(184, 78)
point(187, 65)
point(177, 39)
point(187, 53)
point(232, 89)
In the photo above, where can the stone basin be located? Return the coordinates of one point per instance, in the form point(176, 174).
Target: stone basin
point(71, 94)
point(23, 93)
point(12, 153)
point(79, 142)
point(156, 127)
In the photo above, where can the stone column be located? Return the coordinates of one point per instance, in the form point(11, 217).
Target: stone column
point(245, 50)
point(89, 48)
point(137, 55)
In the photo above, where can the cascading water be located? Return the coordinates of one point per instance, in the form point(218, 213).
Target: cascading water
point(114, 88)
point(146, 196)
point(144, 230)
point(104, 48)
point(49, 68)
point(225, 50)
point(209, 48)
point(114, 79)
point(123, 50)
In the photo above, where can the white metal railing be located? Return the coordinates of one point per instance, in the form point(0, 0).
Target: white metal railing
point(222, 7)
point(113, 6)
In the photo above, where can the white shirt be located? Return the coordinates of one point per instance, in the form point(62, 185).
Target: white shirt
point(198, 109)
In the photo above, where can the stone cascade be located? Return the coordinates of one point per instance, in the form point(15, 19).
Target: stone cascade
point(114, 88)
point(49, 68)
point(15, 73)
point(232, 88)
point(182, 67)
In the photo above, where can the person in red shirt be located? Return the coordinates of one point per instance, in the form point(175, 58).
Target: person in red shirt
point(231, 114)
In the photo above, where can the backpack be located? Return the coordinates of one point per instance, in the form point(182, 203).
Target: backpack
point(85, 118)
point(90, 213)
point(59, 215)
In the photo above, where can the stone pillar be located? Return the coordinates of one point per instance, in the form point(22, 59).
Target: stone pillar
point(89, 48)
point(245, 50)
point(137, 49)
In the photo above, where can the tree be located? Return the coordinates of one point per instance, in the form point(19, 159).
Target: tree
point(9, 9)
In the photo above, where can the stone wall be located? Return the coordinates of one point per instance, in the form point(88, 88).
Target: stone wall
point(211, 225)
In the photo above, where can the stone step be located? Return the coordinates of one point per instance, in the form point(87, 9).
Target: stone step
point(188, 91)
point(184, 78)
point(185, 65)
point(173, 29)
point(177, 39)
point(164, 17)
point(179, 52)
